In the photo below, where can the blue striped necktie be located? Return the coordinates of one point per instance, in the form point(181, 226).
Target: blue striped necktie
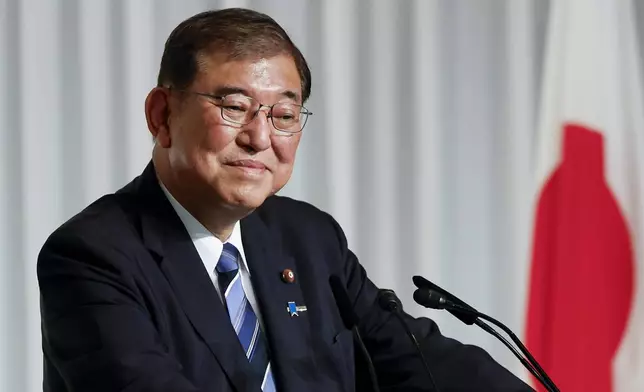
point(243, 317)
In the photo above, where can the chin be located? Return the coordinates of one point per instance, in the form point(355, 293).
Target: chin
point(247, 198)
point(250, 203)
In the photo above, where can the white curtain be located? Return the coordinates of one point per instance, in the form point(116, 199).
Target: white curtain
point(421, 144)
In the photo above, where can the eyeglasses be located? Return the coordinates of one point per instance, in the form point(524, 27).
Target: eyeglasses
point(240, 109)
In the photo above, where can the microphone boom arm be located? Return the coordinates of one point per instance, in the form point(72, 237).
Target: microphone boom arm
point(433, 296)
point(484, 326)
point(512, 336)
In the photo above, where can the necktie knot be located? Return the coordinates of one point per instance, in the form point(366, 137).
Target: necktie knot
point(228, 261)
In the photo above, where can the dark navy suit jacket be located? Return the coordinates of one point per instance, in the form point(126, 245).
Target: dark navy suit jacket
point(127, 305)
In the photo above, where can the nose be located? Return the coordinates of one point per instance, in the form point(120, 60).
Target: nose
point(256, 135)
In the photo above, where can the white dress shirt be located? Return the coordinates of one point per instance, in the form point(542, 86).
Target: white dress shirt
point(210, 248)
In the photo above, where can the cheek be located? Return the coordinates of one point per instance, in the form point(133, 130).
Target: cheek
point(216, 135)
point(285, 148)
point(198, 135)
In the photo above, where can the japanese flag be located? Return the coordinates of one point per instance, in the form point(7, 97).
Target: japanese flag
point(585, 321)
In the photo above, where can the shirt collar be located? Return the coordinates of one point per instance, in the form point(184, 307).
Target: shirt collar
point(200, 234)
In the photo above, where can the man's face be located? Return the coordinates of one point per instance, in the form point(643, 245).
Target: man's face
point(239, 165)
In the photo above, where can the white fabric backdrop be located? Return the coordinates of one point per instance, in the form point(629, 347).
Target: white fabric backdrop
point(421, 144)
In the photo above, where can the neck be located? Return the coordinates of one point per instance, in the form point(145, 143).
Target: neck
point(218, 218)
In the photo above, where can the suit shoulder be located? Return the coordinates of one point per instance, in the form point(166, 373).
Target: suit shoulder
point(288, 209)
point(104, 215)
point(102, 224)
point(300, 219)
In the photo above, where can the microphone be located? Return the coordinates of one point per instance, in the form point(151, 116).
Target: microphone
point(431, 296)
point(467, 318)
point(434, 300)
point(389, 301)
point(350, 321)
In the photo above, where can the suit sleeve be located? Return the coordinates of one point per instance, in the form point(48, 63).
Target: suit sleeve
point(96, 330)
point(454, 366)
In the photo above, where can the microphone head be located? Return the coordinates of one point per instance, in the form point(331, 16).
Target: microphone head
point(349, 317)
point(430, 298)
point(421, 282)
point(389, 301)
point(434, 299)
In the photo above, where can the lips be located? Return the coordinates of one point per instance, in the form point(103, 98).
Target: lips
point(248, 164)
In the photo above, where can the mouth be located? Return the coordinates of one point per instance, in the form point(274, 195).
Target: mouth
point(248, 165)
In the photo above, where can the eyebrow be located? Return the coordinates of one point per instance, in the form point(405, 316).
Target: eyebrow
point(227, 90)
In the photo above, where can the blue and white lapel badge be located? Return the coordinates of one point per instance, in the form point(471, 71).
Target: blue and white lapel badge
point(294, 309)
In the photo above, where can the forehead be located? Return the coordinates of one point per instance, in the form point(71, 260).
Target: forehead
point(259, 76)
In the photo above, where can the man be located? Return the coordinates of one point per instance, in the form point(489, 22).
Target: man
point(195, 277)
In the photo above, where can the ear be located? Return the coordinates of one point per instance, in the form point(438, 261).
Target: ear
point(157, 111)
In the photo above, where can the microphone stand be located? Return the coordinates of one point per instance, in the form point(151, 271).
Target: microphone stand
point(389, 301)
point(350, 321)
point(535, 368)
point(432, 296)
point(484, 326)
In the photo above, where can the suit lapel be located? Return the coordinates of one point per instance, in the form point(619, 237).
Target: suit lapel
point(165, 235)
point(288, 335)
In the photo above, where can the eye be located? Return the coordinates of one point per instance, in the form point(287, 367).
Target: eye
point(236, 103)
point(235, 108)
point(286, 112)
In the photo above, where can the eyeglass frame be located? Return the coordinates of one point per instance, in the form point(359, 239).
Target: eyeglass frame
point(261, 105)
